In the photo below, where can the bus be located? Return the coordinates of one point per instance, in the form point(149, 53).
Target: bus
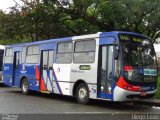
point(114, 66)
point(1, 61)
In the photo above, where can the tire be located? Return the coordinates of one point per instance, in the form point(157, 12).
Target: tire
point(82, 93)
point(25, 86)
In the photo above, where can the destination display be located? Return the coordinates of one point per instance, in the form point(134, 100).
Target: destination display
point(130, 38)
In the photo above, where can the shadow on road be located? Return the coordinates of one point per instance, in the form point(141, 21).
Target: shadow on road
point(97, 103)
point(2, 85)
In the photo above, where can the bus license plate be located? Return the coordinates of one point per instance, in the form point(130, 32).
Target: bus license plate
point(143, 94)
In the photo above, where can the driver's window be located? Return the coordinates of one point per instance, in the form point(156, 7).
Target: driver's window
point(117, 69)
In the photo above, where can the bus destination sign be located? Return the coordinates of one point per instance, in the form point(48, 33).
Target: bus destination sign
point(130, 38)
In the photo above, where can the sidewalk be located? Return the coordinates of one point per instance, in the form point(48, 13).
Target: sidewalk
point(152, 102)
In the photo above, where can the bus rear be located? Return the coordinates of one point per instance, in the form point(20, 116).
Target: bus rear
point(138, 70)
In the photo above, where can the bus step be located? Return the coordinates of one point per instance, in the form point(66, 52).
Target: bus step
point(46, 92)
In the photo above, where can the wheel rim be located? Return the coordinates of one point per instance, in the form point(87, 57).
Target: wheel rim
point(25, 86)
point(82, 93)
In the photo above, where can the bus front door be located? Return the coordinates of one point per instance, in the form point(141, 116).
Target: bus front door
point(47, 57)
point(16, 68)
point(105, 79)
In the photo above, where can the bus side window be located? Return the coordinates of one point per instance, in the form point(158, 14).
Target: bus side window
point(23, 54)
point(64, 53)
point(84, 51)
point(32, 56)
point(8, 55)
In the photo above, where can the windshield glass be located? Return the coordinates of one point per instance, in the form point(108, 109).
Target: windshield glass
point(139, 58)
point(132, 54)
point(138, 55)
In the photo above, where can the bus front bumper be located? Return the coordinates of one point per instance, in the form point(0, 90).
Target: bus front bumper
point(124, 95)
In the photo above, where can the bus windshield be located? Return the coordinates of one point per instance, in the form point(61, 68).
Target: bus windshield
point(138, 55)
point(139, 59)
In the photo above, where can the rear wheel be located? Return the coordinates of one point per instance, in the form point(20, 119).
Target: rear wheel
point(82, 93)
point(25, 86)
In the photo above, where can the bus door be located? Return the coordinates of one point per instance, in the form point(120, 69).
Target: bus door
point(105, 71)
point(47, 57)
point(16, 68)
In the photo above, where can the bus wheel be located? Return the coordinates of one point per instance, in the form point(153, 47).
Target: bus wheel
point(25, 86)
point(82, 93)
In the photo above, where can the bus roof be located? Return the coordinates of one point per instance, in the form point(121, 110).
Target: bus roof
point(99, 34)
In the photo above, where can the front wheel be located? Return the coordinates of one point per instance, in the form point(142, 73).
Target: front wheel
point(25, 86)
point(82, 93)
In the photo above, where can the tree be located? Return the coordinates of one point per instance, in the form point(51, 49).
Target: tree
point(45, 20)
point(139, 16)
point(11, 28)
point(51, 19)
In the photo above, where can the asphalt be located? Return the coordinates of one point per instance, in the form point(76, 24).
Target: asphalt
point(37, 106)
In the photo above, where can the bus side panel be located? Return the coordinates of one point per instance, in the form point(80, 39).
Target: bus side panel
point(17, 77)
point(88, 76)
point(7, 74)
point(29, 71)
point(61, 79)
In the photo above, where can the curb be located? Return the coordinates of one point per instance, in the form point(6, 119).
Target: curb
point(150, 102)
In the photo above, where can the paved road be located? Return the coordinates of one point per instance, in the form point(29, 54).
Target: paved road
point(13, 102)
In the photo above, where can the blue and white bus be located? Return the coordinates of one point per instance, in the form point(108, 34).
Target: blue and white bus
point(115, 66)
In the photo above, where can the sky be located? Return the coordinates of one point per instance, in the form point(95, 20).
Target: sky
point(157, 47)
point(5, 4)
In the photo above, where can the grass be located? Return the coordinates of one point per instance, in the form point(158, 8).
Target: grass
point(158, 91)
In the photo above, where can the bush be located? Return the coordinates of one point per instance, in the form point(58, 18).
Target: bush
point(158, 89)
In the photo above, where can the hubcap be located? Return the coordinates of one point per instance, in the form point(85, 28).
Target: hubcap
point(82, 93)
point(25, 86)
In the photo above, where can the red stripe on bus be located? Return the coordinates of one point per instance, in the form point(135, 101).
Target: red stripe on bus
point(42, 84)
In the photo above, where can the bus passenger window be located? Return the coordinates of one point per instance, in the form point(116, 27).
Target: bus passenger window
point(23, 54)
point(64, 53)
point(8, 55)
point(84, 51)
point(32, 54)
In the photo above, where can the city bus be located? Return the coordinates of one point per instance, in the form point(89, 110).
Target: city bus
point(114, 66)
point(1, 61)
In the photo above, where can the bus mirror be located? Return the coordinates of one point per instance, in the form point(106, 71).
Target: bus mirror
point(116, 52)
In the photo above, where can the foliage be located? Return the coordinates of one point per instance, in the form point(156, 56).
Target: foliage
point(158, 90)
point(139, 16)
point(47, 19)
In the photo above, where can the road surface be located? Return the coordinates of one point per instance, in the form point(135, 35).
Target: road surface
point(13, 102)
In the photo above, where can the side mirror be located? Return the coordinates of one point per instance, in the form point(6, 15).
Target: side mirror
point(116, 52)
